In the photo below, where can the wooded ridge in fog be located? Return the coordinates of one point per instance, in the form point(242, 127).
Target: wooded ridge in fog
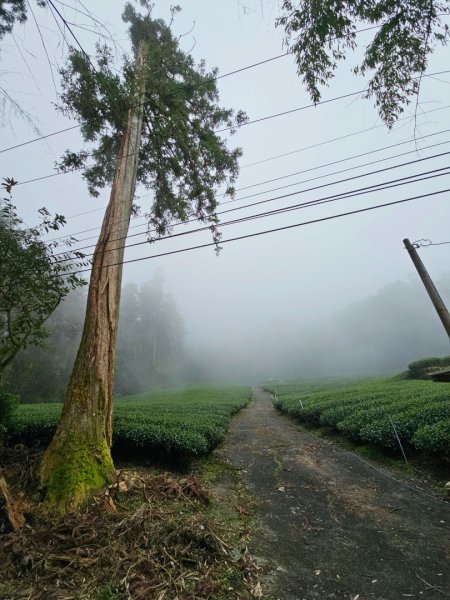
point(378, 335)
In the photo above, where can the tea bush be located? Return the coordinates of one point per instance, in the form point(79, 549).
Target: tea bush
point(180, 423)
point(368, 411)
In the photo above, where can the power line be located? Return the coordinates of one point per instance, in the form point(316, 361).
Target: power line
point(292, 110)
point(323, 143)
point(267, 60)
point(315, 188)
point(293, 174)
point(374, 187)
point(266, 118)
point(66, 24)
point(424, 243)
point(325, 200)
point(259, 233)
point(72, 170)
point(42, 137)
point(360, 191)
point(329, 163)
point(99, 26)
point(222, 130)
point(229, 74)
point(313, 105)
point(236, 71)
point(372, 162)
point(341, 160)
point(336, 139)
point(308, 204)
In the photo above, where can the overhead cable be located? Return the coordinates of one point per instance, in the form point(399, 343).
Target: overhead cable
point(297, 150)
point(424, 243)
point(229, 74)
point(282, 210)
point(267, 231)
point(291, 175)
point(281, 197)
point(329, 141)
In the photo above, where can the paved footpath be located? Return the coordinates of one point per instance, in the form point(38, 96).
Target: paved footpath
point(330, 526)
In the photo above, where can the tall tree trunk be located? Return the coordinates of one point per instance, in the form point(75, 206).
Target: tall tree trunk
point(78, 460)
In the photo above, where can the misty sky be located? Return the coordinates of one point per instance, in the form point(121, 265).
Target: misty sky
point(264, 283)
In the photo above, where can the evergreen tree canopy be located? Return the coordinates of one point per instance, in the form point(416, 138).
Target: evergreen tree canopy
point(12, 11)
point(182, 159)
point(320, 32)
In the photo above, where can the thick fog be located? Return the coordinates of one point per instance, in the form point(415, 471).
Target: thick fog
point(334, 297)
point(378, 335)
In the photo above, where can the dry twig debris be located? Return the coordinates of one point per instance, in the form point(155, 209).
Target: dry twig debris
point(148, 536)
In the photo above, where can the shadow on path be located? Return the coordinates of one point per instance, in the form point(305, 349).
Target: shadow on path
point(327, 524)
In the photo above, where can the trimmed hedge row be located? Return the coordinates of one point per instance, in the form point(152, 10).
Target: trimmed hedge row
point(421, 369)
point(176, 423)
point(366, 412)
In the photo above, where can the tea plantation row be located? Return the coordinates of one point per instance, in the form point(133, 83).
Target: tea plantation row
point(175, 423)
point(367, 412)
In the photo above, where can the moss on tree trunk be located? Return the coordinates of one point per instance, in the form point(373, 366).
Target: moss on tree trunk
point(83, 469)
point(78, 460)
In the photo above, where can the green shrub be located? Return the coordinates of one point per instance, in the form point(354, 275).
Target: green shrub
point(434, 437)
point(180, 423)
point(8, 410)
point(365, 412)
point(419, 369)
point(407, 420)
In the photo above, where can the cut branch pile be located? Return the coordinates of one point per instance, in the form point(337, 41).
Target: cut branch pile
point(148, 536)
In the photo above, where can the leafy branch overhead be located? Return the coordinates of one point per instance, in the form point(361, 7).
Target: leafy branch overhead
point(33, 279)
point(321, 32)
point(182, 160)
point(12, 11)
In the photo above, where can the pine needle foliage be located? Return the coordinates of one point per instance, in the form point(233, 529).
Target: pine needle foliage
point(182, 160)
point(12, 12)
point(320, 33)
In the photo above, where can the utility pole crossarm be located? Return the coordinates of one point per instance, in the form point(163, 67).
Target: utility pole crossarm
point(429, 286)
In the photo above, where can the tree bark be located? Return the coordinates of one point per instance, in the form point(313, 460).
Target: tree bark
point(78, 460)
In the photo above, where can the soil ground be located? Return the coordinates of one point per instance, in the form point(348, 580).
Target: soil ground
point(328, 525)
point(151, 535)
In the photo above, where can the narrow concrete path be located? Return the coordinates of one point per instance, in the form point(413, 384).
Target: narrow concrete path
point(330, 526)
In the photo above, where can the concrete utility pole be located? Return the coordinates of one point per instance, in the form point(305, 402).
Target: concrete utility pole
point(429, 286)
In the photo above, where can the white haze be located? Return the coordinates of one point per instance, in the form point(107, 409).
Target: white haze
point(287, 304)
